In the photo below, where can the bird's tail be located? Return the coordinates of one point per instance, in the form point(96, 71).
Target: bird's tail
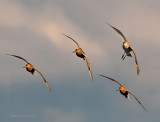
point(129, 98)
point(128, 54)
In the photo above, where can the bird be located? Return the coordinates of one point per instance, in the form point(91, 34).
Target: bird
point(124, 91)
point(30, 68)
point(80, 53)
point(127, 48)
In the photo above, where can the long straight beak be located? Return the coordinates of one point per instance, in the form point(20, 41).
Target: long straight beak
point(24, 67)
point(73, 51)
point(117, 90)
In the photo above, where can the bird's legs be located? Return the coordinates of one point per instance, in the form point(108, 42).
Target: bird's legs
point(123, 56)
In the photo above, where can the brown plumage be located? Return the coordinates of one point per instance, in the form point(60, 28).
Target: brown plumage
point(80, 53)
point(30, 68)
point(124, 91)
point(127, 48)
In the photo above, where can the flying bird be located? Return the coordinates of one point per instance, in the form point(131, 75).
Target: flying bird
point(30, 68)
point(127, 49)
point(80, 53)
point(124, 91)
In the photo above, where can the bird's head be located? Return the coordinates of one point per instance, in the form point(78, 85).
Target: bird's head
point(25, 66)
point(123, 44)
point(122, 89)
point(74, 51)
point(118, 89)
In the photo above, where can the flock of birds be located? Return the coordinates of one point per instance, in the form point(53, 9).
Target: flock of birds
point(80, 53)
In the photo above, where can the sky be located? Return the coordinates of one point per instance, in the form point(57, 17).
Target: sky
point(33, 30)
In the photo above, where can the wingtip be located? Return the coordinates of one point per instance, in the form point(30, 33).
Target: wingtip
point(102, 75)
point(49, 87)
point(91, 76)
point(92, 79)
point(8, 54)
point(63, 34)
point(145, 109)
point(98, 74)
point(138, 71)
point(109, 24)
point(50, 91)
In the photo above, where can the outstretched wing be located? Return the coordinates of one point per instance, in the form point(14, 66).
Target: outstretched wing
point(118, 31)
point(44, 80)
point(112, 79)
point(89, 67)
point(137, 100)
point(72, 40)
point(137, 67)
point(19, 58)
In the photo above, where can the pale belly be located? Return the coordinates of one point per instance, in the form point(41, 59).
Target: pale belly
point(126, 47)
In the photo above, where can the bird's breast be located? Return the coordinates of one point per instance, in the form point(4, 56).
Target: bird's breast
point(79, 53)
point(123, 90)
point(29, 68)
point(125, 93)
point(127, 50)
point(126, 45)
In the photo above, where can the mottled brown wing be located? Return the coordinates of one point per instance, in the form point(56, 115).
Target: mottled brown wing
point(137, 67)
point(44, 80)
point(118, 31)
point(89, 67)
point(72, 40)
point(137, 100)
point(19, 58)
point(112, 79)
